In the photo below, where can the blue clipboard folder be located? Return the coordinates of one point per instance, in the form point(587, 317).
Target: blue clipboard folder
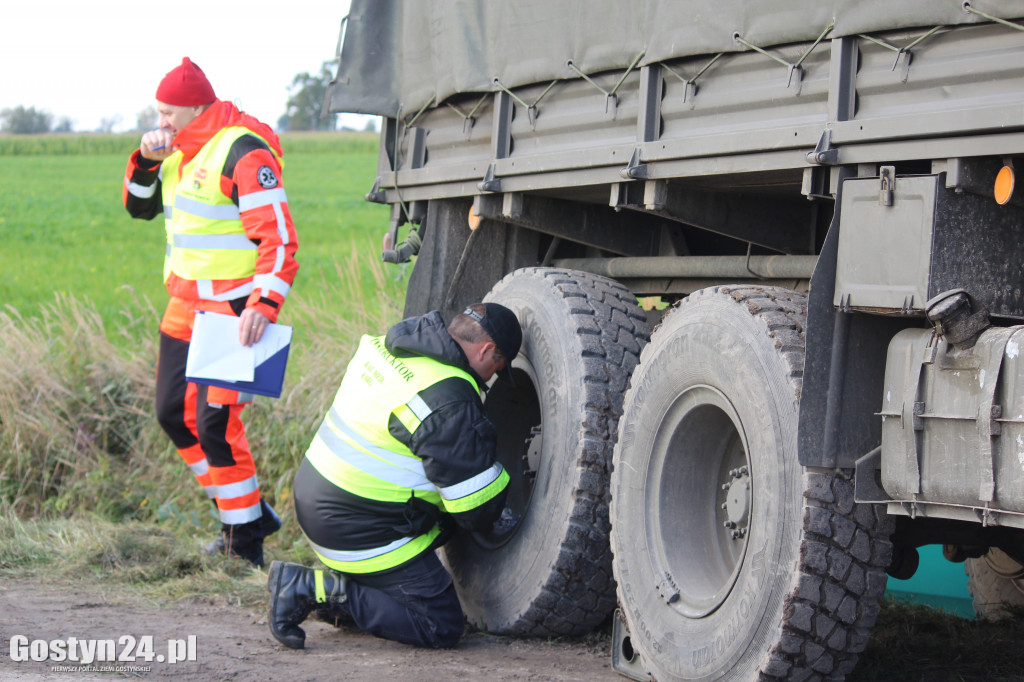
point(217, 358)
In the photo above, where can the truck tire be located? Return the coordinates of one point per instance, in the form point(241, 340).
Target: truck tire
point(546, 567)
point(995, 582)
point(732, 560)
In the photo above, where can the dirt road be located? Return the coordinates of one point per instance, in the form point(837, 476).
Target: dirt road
point(233, 643)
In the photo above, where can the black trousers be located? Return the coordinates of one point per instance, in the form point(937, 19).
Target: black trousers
point(415, 603)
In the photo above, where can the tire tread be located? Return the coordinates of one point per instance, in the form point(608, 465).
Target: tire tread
point(844, 549)
point(580, 591)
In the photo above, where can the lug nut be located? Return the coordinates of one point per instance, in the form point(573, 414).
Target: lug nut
point(729, 524)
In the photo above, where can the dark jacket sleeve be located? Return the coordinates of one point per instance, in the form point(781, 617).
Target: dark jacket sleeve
point(141, 192)
point(458, 446)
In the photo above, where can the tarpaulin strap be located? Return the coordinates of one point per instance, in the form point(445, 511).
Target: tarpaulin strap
point(469, 118)
point(607, 93)
point(792, 67)
point(699, 73)
point(419, 113)
point(531, 109)
point(472, 111)
point(900, 51)
point(690, 84)
point(1004, 22)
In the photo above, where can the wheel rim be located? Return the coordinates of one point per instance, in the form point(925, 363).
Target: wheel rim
point(699, 513)
point(516, 415)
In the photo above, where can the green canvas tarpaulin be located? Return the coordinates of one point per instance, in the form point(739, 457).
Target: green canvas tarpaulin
point(405, 53)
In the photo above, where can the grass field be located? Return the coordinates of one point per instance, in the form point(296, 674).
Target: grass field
point(81, 295)
point(65, 229)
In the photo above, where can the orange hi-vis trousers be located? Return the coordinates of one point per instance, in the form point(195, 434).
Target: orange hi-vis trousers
point(205, 422)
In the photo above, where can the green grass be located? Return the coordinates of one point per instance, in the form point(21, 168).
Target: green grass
point(122, 144)
point(915, 643)
point(65, 229)
point(80, 301)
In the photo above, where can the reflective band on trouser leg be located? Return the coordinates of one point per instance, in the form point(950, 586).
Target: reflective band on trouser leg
point(238, 494)
point(377, 558)
point(318, 585)
point(238, 502)
point(196, 461)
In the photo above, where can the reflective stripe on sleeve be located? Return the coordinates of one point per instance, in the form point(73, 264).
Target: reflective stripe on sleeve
point(419, 407)
point(204, 289)
point(247, 202)
point(141, 191)
point(472, 485)
point(270, 283)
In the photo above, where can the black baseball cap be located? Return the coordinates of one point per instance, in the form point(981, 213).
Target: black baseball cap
point(502, 326)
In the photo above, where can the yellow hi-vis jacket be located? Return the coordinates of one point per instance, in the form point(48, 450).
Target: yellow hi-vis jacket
point(356, 452)
point(205, 237)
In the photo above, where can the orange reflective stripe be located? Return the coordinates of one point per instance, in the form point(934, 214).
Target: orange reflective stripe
point(196, 461)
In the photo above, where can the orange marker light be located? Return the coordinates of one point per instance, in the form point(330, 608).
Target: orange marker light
point(474, 219)
point(1005, 181)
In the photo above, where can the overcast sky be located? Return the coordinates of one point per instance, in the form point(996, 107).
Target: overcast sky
point(90, 60)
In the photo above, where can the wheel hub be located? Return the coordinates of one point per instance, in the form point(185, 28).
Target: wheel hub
point(701, 501)
point(737, 502)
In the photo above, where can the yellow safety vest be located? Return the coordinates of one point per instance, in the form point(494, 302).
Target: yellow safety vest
point(205, 237)
point(357, 453)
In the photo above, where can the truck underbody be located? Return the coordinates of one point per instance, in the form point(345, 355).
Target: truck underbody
point(833, 380)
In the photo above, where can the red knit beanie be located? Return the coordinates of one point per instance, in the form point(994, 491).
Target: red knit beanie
point(185, 86)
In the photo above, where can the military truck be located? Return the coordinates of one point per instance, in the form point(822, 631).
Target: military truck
point(812, 203)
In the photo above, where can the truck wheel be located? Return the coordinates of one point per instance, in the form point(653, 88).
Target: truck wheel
point(545, 568)
point(732, 560)
point(995, 582)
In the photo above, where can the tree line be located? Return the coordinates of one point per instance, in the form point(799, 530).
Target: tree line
point(304, 111)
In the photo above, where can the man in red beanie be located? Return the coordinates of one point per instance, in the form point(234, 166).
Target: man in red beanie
point(214, 173)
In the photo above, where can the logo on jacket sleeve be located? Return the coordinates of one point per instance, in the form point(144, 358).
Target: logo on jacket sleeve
point(266, 177)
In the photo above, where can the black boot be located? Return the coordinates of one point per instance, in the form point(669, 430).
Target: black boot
point(334, 613)
point(295, 591)
point(269, 521)
point(244, 540)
